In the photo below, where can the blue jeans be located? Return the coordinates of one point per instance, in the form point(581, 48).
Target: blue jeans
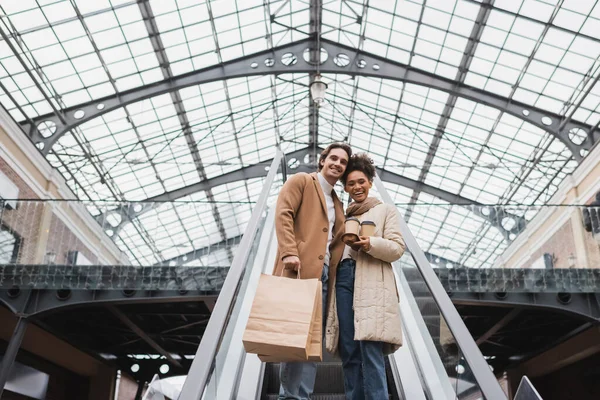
point(298, 378)
point(363, 361)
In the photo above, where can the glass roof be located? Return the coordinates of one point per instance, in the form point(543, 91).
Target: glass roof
point(58, 54)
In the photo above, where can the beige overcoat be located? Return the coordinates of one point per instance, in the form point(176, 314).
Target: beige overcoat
point(376, 308)
point(302, 226)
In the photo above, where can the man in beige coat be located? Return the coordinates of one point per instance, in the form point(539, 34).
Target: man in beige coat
point(309, 221)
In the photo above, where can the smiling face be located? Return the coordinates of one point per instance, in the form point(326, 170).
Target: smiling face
point(334, 165)
point(357, 186)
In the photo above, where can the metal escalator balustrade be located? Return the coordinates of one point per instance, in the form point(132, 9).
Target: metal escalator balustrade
point(214, 354)
point(425, 367)
point(442, 345)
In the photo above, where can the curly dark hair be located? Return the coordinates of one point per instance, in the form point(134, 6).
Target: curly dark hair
point(360, 162)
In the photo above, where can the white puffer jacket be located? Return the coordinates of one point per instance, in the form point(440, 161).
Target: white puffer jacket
point(376, 309)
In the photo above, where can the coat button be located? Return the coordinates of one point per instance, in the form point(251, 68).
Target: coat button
point(321, 257)
point(324, 229)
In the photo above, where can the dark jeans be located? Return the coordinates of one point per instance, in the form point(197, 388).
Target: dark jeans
point(298, 378)
point(363, 362)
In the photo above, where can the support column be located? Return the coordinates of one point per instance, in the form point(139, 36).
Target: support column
point(41, 241)
point(581, 252)
point(11, 352)
point(140, 390)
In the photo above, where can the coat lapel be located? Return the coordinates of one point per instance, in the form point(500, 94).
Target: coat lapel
point(319, 191)
point(339, 214)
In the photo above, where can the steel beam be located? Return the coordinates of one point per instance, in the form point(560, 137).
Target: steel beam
point(581, 304)
point(201, 252)
point(198, 253)
point(495, 216)
point(578, 291)
point(258, 170)
point(512, 314)
point(15, 341)
point(315, 26)
point(45, 301)
point(461, 74)
point(11, 352)
point(163, 60)
point(303, 162)
point(164, 334)
point(138, 331)
point(370, 65)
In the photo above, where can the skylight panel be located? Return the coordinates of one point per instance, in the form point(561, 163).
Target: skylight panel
point(539, 10)
point(127, 82)
point(554, 77)
point(25, 19)
point(569, 19)
point(437, 18)
point(35, 40)
point(160, 7)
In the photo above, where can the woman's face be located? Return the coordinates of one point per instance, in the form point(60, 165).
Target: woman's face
point(357, 186)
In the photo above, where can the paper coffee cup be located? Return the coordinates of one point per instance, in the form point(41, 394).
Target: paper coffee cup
point(352, 225)
point(367, 228)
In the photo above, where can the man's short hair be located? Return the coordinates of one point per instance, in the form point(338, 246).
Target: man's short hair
point(337, 145)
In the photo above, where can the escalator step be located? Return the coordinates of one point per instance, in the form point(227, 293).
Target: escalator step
point(328, 386)
point(331, 396)
point(336, 396)
point(329, 378)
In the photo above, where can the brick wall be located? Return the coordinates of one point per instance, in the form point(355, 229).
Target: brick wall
point(561, 245)
point(25, 192)
point(62, 240)
point(26, 222)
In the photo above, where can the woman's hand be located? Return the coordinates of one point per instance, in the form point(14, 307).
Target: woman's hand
point(363, 244)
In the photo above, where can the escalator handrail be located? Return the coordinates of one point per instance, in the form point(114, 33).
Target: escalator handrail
point(482, 373)
point(200, 369)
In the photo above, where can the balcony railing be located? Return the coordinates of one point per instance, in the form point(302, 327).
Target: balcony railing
point(170, 246)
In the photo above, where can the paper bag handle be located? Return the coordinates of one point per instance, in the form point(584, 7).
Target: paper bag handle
point(297, 273)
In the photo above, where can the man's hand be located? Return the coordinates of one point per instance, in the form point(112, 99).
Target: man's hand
point(291, 262)
point(363, 244)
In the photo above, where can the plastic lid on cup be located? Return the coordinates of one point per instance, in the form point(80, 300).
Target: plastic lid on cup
point(352, 219)
point(368, 223)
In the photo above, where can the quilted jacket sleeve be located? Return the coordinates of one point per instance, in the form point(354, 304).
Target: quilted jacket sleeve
point(390, 246)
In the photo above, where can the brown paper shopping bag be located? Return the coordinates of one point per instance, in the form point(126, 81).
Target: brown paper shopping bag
point(315, 349)
point(281, 316)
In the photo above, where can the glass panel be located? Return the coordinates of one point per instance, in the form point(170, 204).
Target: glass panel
point(464, 380)
point(155, 391)
point(433, 344)
point(230, 330)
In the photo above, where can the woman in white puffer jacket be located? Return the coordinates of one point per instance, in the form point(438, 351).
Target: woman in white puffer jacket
point(364, 317)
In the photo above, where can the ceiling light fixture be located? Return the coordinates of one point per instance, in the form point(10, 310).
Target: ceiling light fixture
point(317, 90)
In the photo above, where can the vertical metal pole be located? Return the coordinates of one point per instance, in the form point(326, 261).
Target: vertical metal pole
point(140, 390)
point(11, 351)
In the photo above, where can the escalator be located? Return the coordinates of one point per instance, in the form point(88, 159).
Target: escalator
point(438, 361)
point(329, 384)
